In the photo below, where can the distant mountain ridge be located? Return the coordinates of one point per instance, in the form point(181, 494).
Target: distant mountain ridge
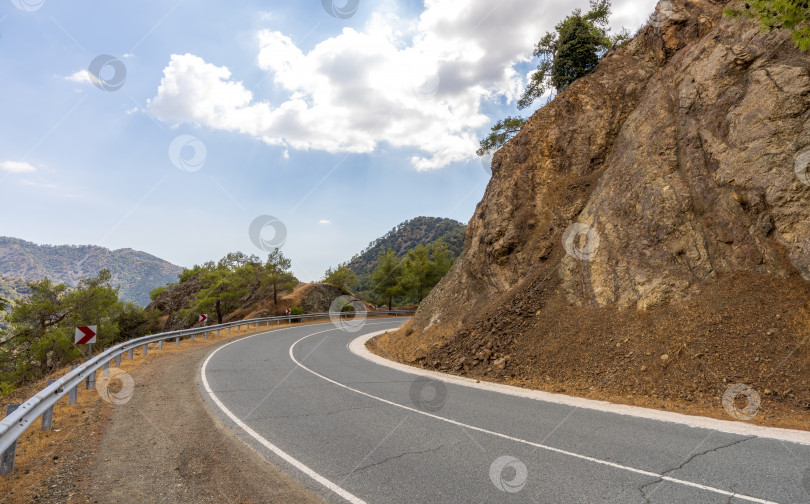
point(137, 273)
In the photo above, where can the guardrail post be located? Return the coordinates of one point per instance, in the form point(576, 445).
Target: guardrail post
point(47, 415)
point(205, 335)
point(229, 330)
point(73, 395)
point(91, 381)
point(160, 345)
point(118, 360)
point(7, 459)
point(131, 353)
point(176, 341)
point(217, 333)
point(146, 349)
point(106, 371)
point(192, 337)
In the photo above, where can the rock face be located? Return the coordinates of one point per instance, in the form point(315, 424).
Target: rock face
point(682, 157)
point(318, 298)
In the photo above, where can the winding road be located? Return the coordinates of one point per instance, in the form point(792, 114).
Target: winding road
point(353, 430)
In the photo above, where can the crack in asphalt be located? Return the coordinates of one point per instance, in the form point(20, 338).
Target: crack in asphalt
point(363, 468)
point(687, 462)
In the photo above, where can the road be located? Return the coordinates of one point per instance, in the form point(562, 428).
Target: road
point(354, 431)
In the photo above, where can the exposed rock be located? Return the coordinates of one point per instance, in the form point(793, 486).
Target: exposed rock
point(679, 151)
point(317, 298)
point(658, 206)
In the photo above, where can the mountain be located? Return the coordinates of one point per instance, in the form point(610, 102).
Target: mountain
point(407, 236)
point(136, 272)
point(645, 238)
point(11, 289)
point(403, 238)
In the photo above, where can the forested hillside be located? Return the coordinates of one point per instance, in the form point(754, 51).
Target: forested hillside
point(427, 231)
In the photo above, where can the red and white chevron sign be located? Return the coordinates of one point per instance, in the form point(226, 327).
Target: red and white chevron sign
point(86, 334)
point(203, 317)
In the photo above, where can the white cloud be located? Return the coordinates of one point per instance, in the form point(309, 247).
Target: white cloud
point(17, 167)
point(324, 222)
point(80, 77)
point(412, 84)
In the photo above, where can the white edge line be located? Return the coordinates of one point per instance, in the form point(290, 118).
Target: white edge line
point(358, 347)
point(579, 456)
point(264, 442)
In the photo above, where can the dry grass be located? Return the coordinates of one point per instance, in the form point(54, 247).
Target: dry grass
point(42, 456)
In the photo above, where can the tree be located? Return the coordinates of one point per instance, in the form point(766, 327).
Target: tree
point(341, 277)
point(792, 15)
point(278, 274)
point(226, 285)
point(424, 267)
point(221, 293)
point(42, 325)
point(418, 271)
point(387, 277)
point(571, 51)
point(502, 132)
point(3, 303)
point(566, 54)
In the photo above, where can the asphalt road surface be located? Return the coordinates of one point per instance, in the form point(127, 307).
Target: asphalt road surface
point(354, 431)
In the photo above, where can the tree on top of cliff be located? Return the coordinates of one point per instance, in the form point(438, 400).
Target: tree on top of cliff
point(566, 54)
point(571, 51)
point(793, 15)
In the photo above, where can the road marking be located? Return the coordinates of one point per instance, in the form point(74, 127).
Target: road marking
point(264, 442)
point(530, 443)
point(358, 347)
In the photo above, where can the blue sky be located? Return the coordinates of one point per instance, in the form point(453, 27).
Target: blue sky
point(339, 126)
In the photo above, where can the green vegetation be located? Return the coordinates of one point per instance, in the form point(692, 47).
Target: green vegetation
point(792, 15)
point(412, 277)
point(424, 269)
point(427, 231)
point(135, 272)
point(341, 277)
point(502, 132)
point(237, 278)
point(568, 53)
point(387, 277)
point(11, 289)
point(42, 325)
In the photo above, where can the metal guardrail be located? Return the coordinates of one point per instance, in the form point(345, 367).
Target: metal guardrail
point(21, 418)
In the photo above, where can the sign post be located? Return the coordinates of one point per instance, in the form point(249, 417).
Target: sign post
point(204, 320)
point(86, 335)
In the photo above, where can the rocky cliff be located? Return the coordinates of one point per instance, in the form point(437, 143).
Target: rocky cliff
point(669, 184)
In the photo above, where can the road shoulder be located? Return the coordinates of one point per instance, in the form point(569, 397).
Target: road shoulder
point(165, 446)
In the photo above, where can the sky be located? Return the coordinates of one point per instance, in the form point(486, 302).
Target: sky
point(189, 129)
